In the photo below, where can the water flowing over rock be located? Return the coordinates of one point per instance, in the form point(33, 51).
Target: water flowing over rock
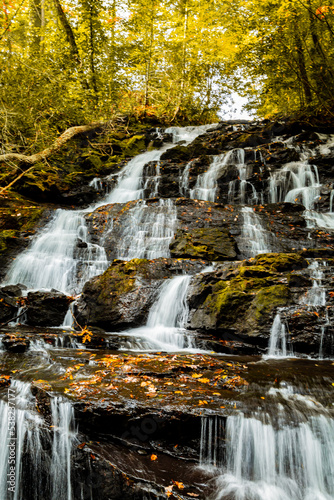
point(29, 445)
point(266, 456)
point(219, 242)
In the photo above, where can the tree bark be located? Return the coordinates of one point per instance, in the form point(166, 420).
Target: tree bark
point(72, 43)
point(302, 69)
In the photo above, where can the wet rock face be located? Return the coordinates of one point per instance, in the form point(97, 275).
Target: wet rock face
point(46, 308)
point(285, 226)
point(8, 302)
point(209, 244)
point(122, 296)
point(15, 343)
point(243, 298)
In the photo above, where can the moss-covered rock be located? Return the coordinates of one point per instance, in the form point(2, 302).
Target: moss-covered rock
point(210, 244)
point(281, 261)
point(267, 300)
point(122, 296)
point(244, 303)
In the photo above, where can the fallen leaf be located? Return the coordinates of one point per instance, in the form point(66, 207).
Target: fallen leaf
point(169, 490)
point(153, 457)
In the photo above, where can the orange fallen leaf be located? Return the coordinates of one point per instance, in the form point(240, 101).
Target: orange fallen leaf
point(169, 490)
point(153, 457)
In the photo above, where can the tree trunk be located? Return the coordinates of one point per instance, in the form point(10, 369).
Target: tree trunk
point(72, 43)
point(149, 56)
point(302, 70)
point(56, 146)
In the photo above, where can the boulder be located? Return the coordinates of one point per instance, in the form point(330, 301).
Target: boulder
point(46, 308)
point(15, 343)
point(241, 300)
point(281, 261)
point(122, 296)
point(8, 305)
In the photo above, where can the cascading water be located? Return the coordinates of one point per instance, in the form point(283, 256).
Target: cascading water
point(61, 257)
point(278, 341)
point(288, 456)
point(63, 438)
point(299, 182)
point(24, 445)
point(255, 238)
point(295, 182)
point(166, 319)
point(147, 232)
point(316, 295)
point(206, 184)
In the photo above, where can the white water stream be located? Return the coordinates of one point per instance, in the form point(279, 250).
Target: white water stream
point(25, 446)
point(164, 329)
point(288, 456)
point(206, 184)
point(254, 237)
point(148, 233)
point(278, 347)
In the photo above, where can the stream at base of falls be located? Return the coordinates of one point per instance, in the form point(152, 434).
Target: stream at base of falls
point(160, 409)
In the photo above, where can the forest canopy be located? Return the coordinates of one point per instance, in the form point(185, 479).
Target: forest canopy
point(70, 62)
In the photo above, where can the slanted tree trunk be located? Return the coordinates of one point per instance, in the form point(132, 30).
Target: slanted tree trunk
point(29, 162)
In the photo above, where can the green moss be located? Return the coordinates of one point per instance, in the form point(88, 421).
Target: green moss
point(5, 237)
point(30, 217)
point(134, 145)
point(203, 243)
point(270, 298)
point(225, 303)
point(120, 278)
point(281, 261)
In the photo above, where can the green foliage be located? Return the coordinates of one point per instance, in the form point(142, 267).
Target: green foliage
point(285, 55)
point(68, 62)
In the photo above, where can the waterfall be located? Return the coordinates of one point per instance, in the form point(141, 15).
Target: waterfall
point(212, 451)
point(171, 309)
point(24, 446)
point(206, 184)
point(184, 179)
point(60, 257)
point(295, 182)
point(285, 455)
point(255, 237)
point(293, 462)
point(166, 319)
point(188, 134)
point(148, 231)
point(130, 185)
point(278, 342)
point(60, 470)
point(315, 296)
